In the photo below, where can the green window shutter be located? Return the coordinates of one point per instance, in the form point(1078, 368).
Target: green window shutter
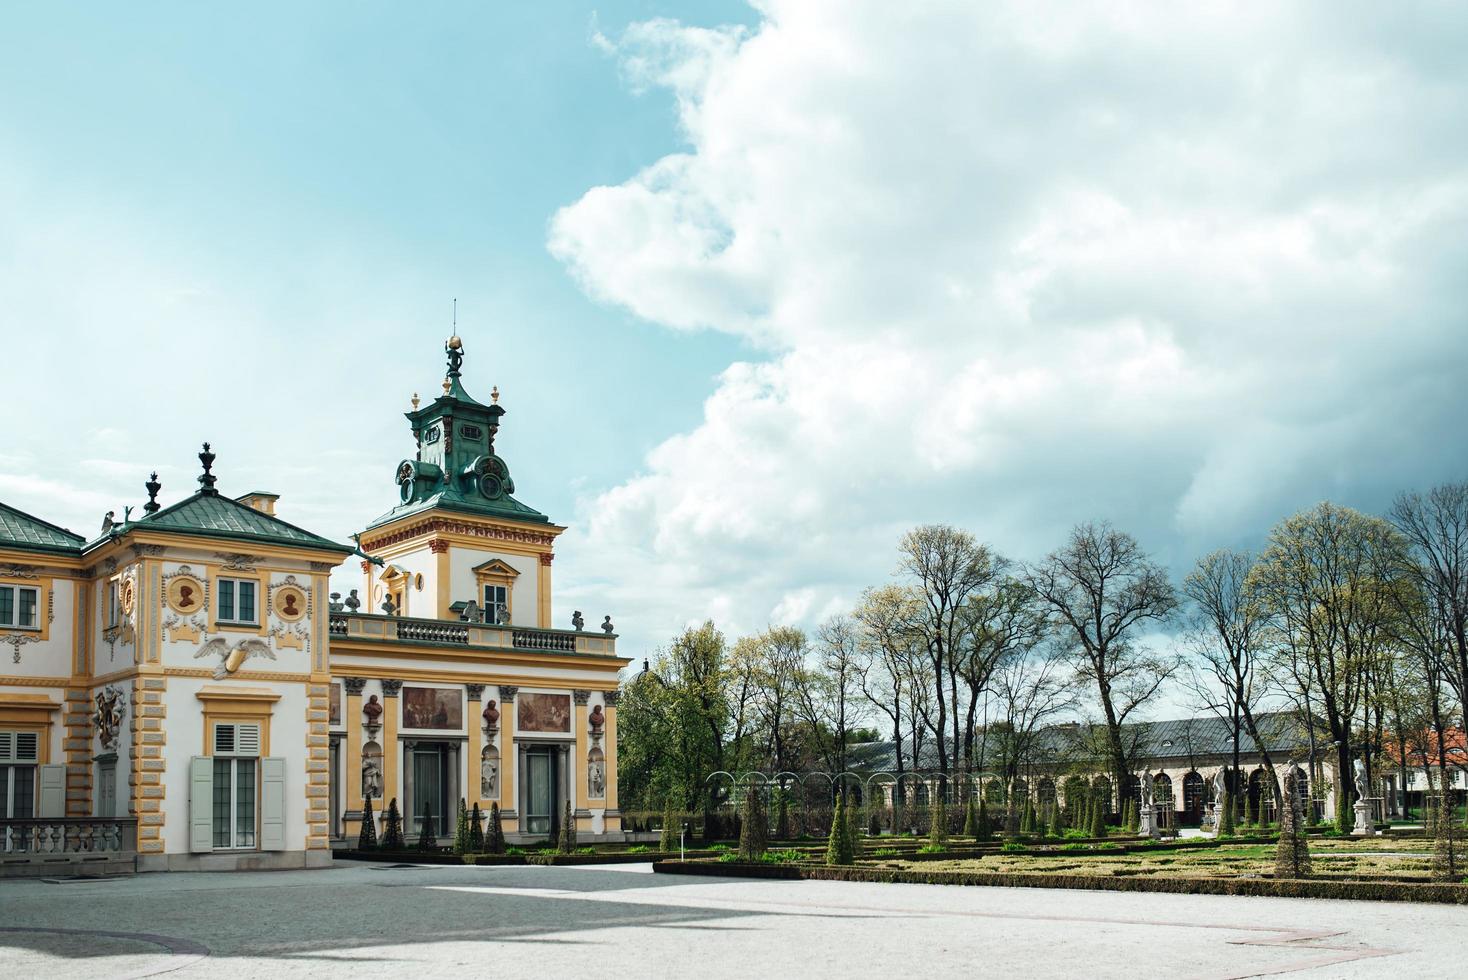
point(272, 803)
point(51, 800)
point(201, 801)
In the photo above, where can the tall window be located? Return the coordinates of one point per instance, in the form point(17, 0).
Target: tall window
point(114, 603)
point(18, 606)
point(496, 604)
point(236, 767)
point(236, 601)
point(18, 756)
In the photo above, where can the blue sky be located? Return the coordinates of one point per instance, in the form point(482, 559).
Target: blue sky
point(763, 286)
point(211, 212)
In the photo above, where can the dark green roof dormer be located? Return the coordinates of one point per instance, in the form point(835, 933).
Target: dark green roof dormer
point(456, 465)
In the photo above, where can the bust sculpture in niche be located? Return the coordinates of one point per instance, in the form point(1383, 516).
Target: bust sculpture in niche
point(372, 711)
point(491, 716)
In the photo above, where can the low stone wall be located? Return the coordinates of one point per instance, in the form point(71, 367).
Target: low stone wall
point(1304, 888)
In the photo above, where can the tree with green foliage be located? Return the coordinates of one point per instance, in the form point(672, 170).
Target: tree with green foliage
point(426, 839)
point(938, 821)
point(392, 828)
point(567, 842)
point(1027, 817)
point(1228, 825)
point(1292, 856)
point(1131, 819)
point(838, 846)
point(1098, 820)
point(494, 840)
point(874, 815)
point(668, 839)
point(1249, 818)
point(461, 830)
point(853, 828)
point(970, 819)
point(1054, 829)
point(367, 836)
point(1332, 583)
point(754, 834)
point(476, 830)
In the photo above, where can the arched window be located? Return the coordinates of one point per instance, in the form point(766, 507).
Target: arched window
point(1162, 790)
point(1261, 794)
point(1073, 791)
point(1195, 795)
point(1046, 792)
point(1101, 787)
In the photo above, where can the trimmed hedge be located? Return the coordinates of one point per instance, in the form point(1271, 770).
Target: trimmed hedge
point(1266, 887)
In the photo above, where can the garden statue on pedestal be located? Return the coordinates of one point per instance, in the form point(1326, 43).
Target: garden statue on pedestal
point(1147, 821)
point(1363, 827)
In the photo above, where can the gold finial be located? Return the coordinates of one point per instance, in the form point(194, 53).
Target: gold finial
point(415, 401)
point(447, 384)
point(494, 394)
point(455, 343)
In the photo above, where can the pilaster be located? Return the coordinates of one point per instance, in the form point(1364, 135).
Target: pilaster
point(392, 752)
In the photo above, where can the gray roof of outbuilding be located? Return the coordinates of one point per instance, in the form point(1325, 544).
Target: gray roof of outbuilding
point(1152, 741)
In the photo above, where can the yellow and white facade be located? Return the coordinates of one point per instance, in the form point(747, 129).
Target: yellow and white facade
point(185, 685)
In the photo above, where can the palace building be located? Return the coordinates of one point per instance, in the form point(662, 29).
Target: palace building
point(183, 692)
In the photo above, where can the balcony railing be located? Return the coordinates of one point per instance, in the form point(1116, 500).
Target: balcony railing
point(33, 845)
point(456, 633)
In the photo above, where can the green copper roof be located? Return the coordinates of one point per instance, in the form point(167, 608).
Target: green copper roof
point(506, 506)
point(208, 513)
point(21, 530)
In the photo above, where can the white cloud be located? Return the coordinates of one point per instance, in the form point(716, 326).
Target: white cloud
point(1185, 268)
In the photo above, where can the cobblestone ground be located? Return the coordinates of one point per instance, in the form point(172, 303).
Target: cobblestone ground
point(626, 922)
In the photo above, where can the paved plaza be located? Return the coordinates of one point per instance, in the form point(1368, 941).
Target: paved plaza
point(624, 921)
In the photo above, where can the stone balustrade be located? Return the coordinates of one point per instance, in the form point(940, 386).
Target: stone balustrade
point(456, 633)
point(67, 845)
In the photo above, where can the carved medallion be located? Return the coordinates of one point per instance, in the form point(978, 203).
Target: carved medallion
point(185, 595)
point(289, 603)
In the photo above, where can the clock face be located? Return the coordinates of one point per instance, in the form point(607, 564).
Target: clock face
point(406, 481)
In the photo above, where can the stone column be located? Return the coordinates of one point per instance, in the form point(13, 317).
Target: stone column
point(407, 805)
point(609, 701)
point(509, 755)
point(474, 745)
point(580, 792)
point(391, 751)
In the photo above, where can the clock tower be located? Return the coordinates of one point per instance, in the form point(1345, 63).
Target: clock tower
point(457, 534)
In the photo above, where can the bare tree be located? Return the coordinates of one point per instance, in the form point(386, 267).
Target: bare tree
point(1001, 624)
point(949, 566)
point(1227, 630)
point(828, 696)
point(1101, 587)
point(1435, 527)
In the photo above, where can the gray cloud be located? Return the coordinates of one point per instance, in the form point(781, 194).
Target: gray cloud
point(1016, 267)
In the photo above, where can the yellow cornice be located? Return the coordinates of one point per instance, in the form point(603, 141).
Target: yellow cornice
point(6, 681)
point(43, 560)
point(487, 656)
point(203, 542)
point(216, 696)
point(413, 529)
point(459, 677)
point(37, 701)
